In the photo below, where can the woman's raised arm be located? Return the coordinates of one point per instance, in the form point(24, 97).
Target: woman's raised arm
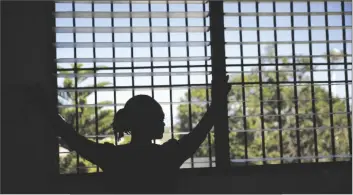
point(94, 152)
point(189, 143)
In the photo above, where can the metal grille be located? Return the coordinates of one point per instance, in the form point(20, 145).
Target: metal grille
point(108, 52)
point(289, 63)
point(291, 75)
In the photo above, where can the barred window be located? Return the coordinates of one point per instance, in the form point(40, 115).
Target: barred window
point(108, 52)
point(289, 64)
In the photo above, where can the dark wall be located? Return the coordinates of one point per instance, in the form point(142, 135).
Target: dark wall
point(29, 150)
point(27, 55)
point(290, 178)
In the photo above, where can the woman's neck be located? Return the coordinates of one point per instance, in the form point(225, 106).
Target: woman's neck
point(140, 141)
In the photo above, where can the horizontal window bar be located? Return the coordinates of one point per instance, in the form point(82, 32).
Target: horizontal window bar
point(232, 1)
point(202, 86)
point(318, 70)
point(179, 44)
point(297, 56)
point(136, 59)
point(289, 158)
point(135, 67)
point(280, 115)
point(286, 42)
point(122, 104)
point(289, 28)
point(130, 44)
point(193, 66)
point(302, 100)
point(297, 83)
point(133, 74)
point(82, 14)
point(140, 29)
point(122, 88)
point(112, 135)
point(285, 64)
point(285, 13)
point(135, 1)
point(166, 59)
point(72, 75)
point(290, 129)
point(186, 102)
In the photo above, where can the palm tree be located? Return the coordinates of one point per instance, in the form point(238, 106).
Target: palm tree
point(86, 116)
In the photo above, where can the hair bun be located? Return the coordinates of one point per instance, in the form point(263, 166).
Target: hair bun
point(119, 123)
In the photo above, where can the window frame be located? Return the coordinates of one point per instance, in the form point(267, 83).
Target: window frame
point(218, 55)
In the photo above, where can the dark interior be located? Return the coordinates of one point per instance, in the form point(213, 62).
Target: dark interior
point(29, 151)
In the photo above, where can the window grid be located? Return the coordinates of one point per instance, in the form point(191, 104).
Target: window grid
point(278, 90)
point(76, 93)
point(301, 37)
point(295, 84)
point(329, 87)
point(301, 42)
point(243, 86)
point(86, 66)
point(260, 85)
point(114, 67)
point(346, 78)
point(313, 108)
point(170, 81)
point(188, 69)
point(95, 82)
point(206, 90)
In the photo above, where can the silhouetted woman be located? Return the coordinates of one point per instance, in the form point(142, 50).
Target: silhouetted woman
point(140, 163)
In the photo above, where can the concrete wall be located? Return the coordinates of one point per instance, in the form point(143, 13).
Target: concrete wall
point(27, 55)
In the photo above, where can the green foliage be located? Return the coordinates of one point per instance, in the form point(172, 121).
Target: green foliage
point(276, 98)
point(86, 118)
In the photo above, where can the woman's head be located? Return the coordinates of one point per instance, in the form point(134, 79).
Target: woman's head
point(142, 116)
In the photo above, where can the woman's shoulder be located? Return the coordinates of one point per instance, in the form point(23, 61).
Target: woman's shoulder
point(172, 143)
point(116, 148)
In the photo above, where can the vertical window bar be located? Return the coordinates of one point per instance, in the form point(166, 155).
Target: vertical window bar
point(151, 51)
point(114, 64)
point(188, 68)
point(55, 93)
point(151, 45)
point(313, 107)
point(95, 79)
point(206, 79)
point(170, 78)
point(329, 86)
point(260, 85)
point(132, 50)
point(295, 84)
point(346, 78)
point(245, 125)
point(279, 99)
point(76, 80)
point(219, 71)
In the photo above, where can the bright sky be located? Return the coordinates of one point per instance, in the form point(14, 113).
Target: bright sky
point(232, 50)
